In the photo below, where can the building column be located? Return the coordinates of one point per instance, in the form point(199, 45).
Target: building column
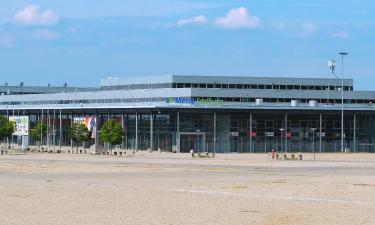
point(48, 128)
point(251, 131)
point(178, 150)
point(152, 131)
point(71, 125)
point(215, 132)
point(286, 132)
point(320, 132)
point(136, 131)
point(355, 133)
point(60, 127)
point(41, 129)
point(53, 128)
point(97, 131)
point(123, 128)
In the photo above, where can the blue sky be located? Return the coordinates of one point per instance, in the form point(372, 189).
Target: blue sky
point(83, 41)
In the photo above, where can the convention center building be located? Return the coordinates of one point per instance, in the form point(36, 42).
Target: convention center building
point(221, 114)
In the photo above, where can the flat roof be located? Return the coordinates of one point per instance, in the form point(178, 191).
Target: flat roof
point(225, 80)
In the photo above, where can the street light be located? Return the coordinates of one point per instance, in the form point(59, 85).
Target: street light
point(313, 142)
point(342, 99)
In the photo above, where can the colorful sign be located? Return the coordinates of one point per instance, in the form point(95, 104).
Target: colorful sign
point(252, 134)
point(89, 122)
point(194, 101)
point(22, 125)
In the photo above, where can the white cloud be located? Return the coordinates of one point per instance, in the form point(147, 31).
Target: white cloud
point(340, 34)
point(32, 16)
point(279, 26)
point(308, 29)
point(6, 42)
point(44, 34)
point(237, 19)
point(195, 20)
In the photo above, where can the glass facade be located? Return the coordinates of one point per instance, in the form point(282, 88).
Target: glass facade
point(236, 132)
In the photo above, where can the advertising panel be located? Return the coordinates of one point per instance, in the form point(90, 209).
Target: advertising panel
point(89, 122)
point(22, 125)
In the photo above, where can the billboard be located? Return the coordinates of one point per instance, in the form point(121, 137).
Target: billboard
point(89, 122)
point(22, 125)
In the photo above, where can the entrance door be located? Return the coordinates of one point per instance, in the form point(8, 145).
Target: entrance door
point(192, 141)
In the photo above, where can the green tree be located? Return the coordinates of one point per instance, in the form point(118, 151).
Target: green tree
point(111, 133)
point(6, 128)
point(79, 133)
point(38, 131)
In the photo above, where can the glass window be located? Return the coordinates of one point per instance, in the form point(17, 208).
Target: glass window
point(232, 86)
point(210, 86)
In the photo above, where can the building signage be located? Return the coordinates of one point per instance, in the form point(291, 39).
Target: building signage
point(270, 134)
point(89, 122)
point(22, 125)
point(194, 101)
point(252, 134)
point(234, 134)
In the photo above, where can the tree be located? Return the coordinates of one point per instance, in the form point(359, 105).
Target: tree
point(6, 128)
point(112, 133)
point(38, 131)
point(79, 133)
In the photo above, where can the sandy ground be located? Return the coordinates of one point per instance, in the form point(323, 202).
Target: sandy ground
point(154, 188)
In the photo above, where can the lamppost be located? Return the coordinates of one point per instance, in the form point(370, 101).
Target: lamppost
point(313, 141)
point(281, 139)
point(342, 99)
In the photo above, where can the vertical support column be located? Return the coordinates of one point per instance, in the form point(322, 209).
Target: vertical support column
point(136, 131)
point(41, 129)
point(355, 133)
point(71, 125)
point(53, 128)
point(251, 131)
point(151, 131)
point(97, 131)
point(178, 150)
point(60, 127)
point(320, 132)
point(286, 132)
point(48, 128)
point(215, 133)
point(7, 120)
point(123, 128)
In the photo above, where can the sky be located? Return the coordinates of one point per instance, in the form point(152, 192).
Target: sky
point(82, 42)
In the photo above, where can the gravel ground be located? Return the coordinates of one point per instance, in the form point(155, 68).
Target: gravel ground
point(154, 188)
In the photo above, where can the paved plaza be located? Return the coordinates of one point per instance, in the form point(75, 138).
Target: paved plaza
point(164, 188)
